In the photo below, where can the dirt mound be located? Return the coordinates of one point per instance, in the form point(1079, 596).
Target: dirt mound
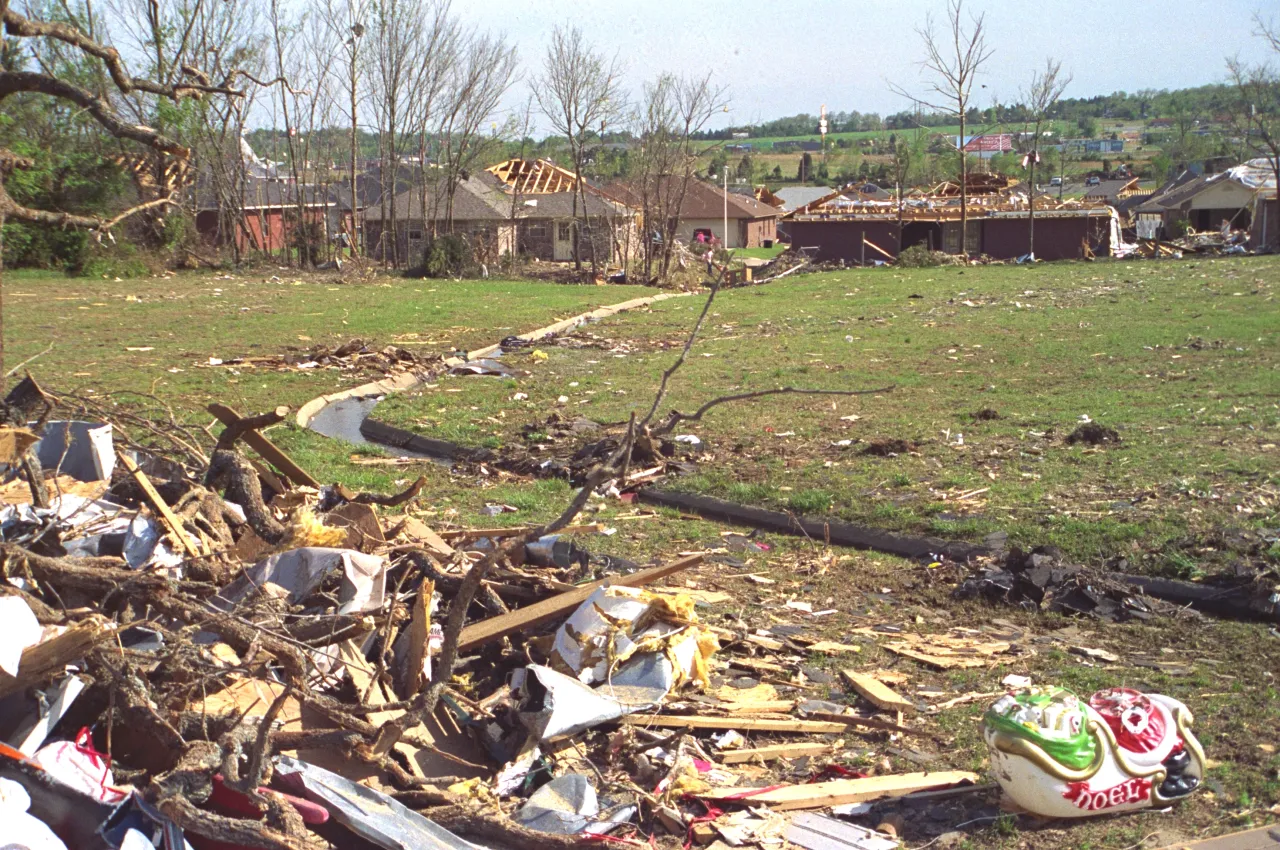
point(1093, 434)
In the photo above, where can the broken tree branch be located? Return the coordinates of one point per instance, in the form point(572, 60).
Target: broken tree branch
point(676, 417)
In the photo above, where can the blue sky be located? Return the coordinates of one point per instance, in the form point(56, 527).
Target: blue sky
point(783, 57)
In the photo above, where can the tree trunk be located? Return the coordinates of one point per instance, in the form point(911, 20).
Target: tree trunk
point(964, 189)
point(356, 232)
point(1031, 204)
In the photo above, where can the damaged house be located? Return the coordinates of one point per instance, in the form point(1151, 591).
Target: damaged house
point(502, 212)
point(1239, 197)
point(839, 228)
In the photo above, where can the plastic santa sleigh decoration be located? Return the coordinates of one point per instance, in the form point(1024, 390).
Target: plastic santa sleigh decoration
point(1058, 756)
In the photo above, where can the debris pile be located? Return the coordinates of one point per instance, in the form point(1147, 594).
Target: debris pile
point(356, 355)
point(211, 647)
point(1043, 580)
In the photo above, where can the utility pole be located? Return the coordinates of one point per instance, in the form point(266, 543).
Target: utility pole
point(726, 207)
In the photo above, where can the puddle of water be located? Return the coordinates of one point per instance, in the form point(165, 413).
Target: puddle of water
point(341, 420)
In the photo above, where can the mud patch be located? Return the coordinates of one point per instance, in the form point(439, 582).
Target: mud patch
point(889, 447)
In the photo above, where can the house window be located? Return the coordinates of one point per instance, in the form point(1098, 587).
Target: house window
point(415, 235)
point(537, 230)
point(563, 230)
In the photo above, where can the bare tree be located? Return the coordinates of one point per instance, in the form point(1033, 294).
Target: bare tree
point(395, 51)
point(1040, 97)
point(954, 58)
point(432, 78)
point(672, 110)
point(485, 71)
point(580, 92)
point(345, 21)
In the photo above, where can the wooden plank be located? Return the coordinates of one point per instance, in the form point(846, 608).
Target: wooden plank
point(749, 724)
point(1262, 838)
point(561, 605)
point(456, 534)
point(49, 657)
point(777, 751)
point(420, 531)
point(269, 451)
point(157, 501)
point(938, 661)
point(838, 792)
point(419, 636)
point(879, 694)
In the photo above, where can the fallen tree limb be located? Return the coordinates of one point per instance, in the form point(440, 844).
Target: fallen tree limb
point(267, 449)
point(832, 531)
point(408, 494)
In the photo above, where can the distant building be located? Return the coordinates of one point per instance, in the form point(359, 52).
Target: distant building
point(987, 146)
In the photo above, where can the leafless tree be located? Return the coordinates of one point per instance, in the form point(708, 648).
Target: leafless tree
point(1255, 117)
point(395, 51)
point(1267, 30)
point(673, 108)
point(1040, 97)
point(580, 92)
point(953, 57)
point(485, 71)
point(432, 76)
point(345, 21)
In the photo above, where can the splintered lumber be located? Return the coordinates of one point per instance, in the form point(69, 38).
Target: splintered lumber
point(14, 443)
point(157, 501)
point(419, 639)
point(876, 692)
point(269, 451)
point(561, 605)
point(871, 244)
point(49, 657)
point(456, 534)
point(1262, 838)
point(939, 662)
point(748, 724)
point(776, 751)
point(819, 795)
point(420, 531)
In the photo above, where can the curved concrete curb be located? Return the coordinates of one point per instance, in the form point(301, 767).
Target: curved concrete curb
point(409, 380)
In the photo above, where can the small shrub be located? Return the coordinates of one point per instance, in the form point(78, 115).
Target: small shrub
point(121, 260)
point(449, 255)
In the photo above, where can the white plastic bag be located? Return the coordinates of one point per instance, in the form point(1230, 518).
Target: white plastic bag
point(78, 765)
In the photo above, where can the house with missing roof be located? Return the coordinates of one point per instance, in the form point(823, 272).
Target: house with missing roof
point(527, 207)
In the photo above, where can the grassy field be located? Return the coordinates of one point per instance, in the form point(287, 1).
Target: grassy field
point(1180, 358)
point(990, 370)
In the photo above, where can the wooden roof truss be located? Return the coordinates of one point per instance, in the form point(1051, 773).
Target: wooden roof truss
point(534, 176)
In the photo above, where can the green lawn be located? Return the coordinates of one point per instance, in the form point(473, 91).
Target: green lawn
point(760, 253)
point(991, 369)
point(174, 325)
